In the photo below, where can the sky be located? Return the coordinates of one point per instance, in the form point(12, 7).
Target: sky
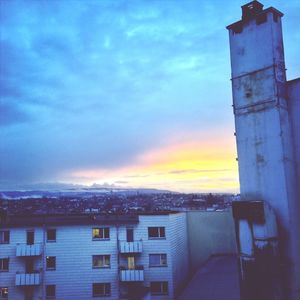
point(122, 93)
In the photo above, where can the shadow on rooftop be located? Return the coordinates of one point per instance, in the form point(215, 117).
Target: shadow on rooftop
point(218, 279)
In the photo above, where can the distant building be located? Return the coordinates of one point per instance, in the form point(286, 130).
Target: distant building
point(87, 256)
point(267, 121)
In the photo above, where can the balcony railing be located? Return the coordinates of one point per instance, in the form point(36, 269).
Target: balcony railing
point(131, 247)
point(29, 250)
point(23, 279)
point(132, 274)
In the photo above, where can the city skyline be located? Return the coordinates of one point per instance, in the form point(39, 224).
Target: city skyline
point(135, 94)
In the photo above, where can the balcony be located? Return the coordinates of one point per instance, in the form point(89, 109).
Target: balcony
point(25, 279)
point(131, 247)
point(29, 250)
point(127, 275)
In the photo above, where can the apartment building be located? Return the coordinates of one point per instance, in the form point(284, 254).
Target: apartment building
point(89, 256)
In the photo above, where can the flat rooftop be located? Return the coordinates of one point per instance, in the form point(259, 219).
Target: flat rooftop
point(75, 219)
point(218, 279)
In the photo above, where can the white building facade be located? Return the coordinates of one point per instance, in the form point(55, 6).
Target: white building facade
point(91, 256)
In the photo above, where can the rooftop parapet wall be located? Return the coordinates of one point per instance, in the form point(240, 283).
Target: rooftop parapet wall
point(209, 233)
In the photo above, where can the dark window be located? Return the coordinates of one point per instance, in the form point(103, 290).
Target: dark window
point(101, 233)
point(156, 232)
point(4, 262)
point(51, 262)
point(30, 237)
point(4, 292)
point(29, 265)
point(157, 260)
point(262, 18)
point(129, 234)
point(4, 237)
point(101, 289)
point(275, 17)
point(50, 291)
point(101, 261)
point(51, 235)
point(159, 287)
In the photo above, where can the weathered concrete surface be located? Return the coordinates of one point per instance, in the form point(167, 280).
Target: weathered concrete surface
point(216, 280)
point(294, 110)
point(265, 142)
point(209, 233)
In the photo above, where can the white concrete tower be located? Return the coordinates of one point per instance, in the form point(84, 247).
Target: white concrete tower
point(263, 131)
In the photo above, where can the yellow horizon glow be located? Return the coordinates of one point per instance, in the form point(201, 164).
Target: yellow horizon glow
point(184, 167)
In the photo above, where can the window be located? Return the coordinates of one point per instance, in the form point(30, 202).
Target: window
point(101, 261)
point(50, 291)
point(4, 264)
point(129, 234)
point(4, 292)
point(156, 232)
point(157, 260)
point(262, 18)
point(159, 287)
point(29, 265)
point(101, 289)
point(30, 237)
point(4, 237)
point(130, 262)
point(51, 235)
point(101, 233)
point(50, 262)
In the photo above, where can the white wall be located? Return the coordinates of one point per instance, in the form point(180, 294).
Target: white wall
point(17, 264)
point(74, 274)
point(156, 246)
point(179, 250)
point(74, 249)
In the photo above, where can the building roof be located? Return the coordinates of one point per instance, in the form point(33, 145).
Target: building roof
point(67, 219)
point(292, 81)
point(253, 10)
point(73, 219)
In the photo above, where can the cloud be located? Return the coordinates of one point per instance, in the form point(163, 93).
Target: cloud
point(189, 171)
point(121, 182)
point(11, 114)
point(98, 84)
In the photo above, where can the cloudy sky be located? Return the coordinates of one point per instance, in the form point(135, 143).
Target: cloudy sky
point(131, 93)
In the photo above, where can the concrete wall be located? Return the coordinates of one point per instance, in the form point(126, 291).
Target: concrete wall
point(294, 110)
point(209, 233)
point(264, 132)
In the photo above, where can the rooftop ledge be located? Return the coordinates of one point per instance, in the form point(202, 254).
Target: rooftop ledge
point(253, 10)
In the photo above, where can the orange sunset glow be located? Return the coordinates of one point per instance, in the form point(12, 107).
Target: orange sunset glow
point(185, 167)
